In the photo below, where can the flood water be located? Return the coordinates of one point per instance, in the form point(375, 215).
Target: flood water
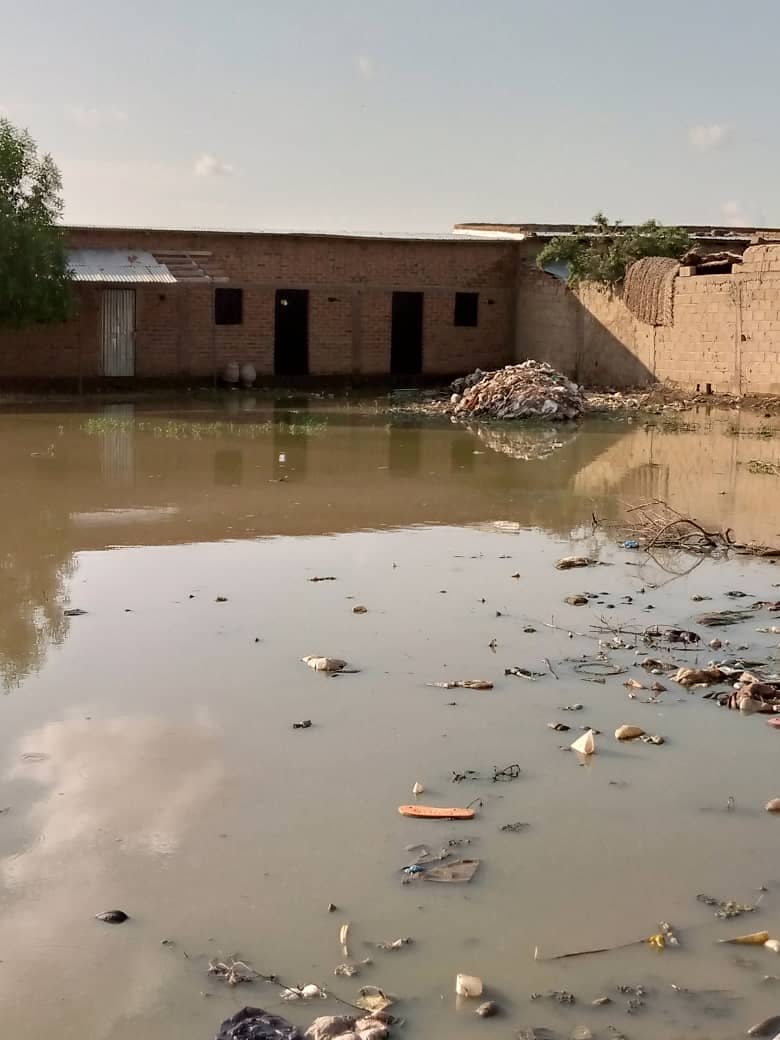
point(149, 763)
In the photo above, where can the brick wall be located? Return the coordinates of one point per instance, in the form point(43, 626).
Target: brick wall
point(350, 283)
point(548, 320)
point(55, 351)
point(726, 330)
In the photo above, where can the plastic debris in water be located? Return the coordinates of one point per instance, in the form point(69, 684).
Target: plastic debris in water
point(324, 664)
point(463, 684)
point(769, 1027)
point(113, 916)
point(393, 944)
point(468, 986)
point(374, 999)
point(753, 939)
point(457, 871)
point(567, 562)
point(308, 992)
point(586, 744)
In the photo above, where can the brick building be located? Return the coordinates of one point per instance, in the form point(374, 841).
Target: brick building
point(163, 305)
point(157, 304)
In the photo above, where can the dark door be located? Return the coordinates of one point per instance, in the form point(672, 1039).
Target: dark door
point(291, 332)
point(406, 337)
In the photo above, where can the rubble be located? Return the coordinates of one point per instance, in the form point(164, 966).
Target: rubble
point(658, 398)
point(532, 389)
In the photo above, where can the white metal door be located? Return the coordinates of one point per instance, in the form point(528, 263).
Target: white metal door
point(118, 332)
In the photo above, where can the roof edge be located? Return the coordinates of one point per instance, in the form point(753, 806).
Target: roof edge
point(357, 236)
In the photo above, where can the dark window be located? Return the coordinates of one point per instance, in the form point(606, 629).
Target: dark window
point(466, 308)
point(228, 306)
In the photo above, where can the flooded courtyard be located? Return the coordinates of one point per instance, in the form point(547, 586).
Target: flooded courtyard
point(149, 760)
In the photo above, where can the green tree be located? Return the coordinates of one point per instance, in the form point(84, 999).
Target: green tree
point(603, 252)
point(34, 280)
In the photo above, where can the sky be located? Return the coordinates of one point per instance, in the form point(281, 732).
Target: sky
point(399, 115)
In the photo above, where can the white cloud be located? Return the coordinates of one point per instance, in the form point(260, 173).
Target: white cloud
point(706, 137)
point(735, 214)
point(365, 66)
point(207, 165)
point(95, 118)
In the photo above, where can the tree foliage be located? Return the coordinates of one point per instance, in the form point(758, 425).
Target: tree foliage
point(34, 280)
point(602, 253)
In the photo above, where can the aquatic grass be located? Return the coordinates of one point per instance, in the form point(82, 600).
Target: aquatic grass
point(178, 429)
point(674, 424)
point(764, 431)
point(761, 466)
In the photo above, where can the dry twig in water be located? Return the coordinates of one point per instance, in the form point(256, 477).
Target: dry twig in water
point(656, 525)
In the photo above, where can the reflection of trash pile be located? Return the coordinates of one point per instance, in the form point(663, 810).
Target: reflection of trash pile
point(520, 442)
point(532, 389)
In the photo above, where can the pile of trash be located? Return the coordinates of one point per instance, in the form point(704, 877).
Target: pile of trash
point(252, 1023)
point(530, 390)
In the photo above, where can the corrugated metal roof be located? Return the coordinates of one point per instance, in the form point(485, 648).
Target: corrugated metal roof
point(195, 266)
point(117, 265)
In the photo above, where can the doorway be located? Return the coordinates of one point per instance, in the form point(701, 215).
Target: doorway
point(291, 332)
point(117, 332)
point(406, 337)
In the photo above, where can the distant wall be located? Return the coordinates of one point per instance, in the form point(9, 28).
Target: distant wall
point(726, 330)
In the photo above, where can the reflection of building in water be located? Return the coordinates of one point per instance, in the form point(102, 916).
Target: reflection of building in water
point(462, 448)
point(701, 471)
point(228, 467)
point(117, 457)
point(290, 438)
point(405, 450)
point(343, 477)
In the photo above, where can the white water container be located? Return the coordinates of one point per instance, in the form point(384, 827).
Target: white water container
point(248, 374)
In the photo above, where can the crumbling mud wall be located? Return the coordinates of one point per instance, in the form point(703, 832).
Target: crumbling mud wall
point(724, 332)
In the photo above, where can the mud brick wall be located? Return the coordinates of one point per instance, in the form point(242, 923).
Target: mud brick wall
point(726, 330)
point(700, 347)
point(548, 320)
point(757, 332)
point(350, 281)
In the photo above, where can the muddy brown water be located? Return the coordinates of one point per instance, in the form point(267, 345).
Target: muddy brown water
point(149, 764)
